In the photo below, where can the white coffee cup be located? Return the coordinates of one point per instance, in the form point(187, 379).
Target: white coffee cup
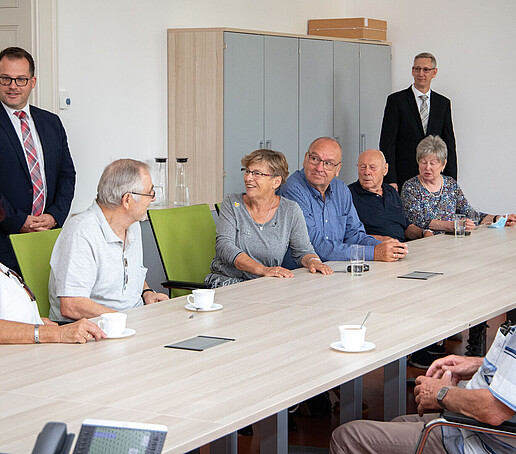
point(113, 323)
point(352, 337)
point(202, 298)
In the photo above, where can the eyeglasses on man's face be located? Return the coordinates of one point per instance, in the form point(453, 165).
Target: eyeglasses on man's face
point(152, 194)
point(417, 69)
point(256, 173)
point(315, 160)
point(19, 81)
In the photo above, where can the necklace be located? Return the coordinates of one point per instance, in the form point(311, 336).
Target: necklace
point(433, 193)
point(260, 226)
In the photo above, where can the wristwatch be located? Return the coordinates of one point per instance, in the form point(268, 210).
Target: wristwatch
point(440, 396)
point(36, 334)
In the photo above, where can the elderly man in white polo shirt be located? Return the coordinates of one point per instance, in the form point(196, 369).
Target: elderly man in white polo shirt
point(97, 261)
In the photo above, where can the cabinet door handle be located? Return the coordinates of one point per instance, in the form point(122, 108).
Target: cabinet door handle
point(261, 144)
point(268, 144)
point(362, 143)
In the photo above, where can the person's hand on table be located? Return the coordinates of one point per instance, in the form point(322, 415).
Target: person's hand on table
point(460, 367)
point(317, 265)
point(390, 251)
point(470, 225)
point(511, 220)
point(80, 332)
point(154, 297)
point(277, 271)
point(426, 391)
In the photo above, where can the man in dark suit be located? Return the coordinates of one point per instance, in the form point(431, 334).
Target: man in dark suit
point(411, 115)
point(37, 175)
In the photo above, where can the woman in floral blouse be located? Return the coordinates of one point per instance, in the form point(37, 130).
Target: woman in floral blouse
point(431, 200)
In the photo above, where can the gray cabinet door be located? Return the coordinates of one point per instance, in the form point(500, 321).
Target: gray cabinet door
point(315, 92)
point(375, 86)
point(281, 97)
point(243, 103)
point(347, 106)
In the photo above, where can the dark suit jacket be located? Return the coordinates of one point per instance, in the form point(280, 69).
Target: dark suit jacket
point(15, 182)
point(402, 131)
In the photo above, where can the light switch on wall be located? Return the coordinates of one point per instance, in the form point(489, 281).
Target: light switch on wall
point(65, 101)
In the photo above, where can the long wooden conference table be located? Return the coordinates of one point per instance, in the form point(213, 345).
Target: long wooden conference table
point(281, 355)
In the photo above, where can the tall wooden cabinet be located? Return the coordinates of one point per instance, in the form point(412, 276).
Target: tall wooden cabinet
point(233, 91)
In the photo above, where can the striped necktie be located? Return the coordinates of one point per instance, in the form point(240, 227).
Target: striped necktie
point(423, 113)
point(38, 194)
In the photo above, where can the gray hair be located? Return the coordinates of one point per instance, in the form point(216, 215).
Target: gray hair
point(119, 178)
point(432, 145)
point(426, 55)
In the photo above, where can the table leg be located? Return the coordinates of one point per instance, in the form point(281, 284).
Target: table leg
point(225, 445)
point(395, 389)
point(351, 400)
point(274, 434)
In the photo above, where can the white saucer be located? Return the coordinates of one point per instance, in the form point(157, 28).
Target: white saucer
point(215, 307)
point(365, 347)
point(126, 333)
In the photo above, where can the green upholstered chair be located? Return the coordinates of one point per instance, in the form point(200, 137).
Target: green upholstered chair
point(33, 251)
point(185, 237)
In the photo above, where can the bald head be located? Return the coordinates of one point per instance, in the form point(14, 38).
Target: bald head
point(372, 167)
point(322, 163)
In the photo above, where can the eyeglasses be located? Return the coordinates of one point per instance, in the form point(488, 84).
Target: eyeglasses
point(256, 173)
point(19, 81)
point(126, 274)
point(315, 160)
point(22, 283)
point(151, 195)
point(417, 69)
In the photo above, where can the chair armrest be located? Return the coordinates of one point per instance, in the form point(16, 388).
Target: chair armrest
point(507, 426)
point(184, 285)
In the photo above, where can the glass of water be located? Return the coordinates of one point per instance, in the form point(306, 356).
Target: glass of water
point(357, 259)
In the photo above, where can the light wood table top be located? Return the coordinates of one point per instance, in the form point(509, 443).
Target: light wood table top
point(281, 355)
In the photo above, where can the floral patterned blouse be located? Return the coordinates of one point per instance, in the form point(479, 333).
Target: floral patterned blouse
point(421, 205)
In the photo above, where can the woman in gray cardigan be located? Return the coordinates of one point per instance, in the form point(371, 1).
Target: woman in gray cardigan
point(255, 228)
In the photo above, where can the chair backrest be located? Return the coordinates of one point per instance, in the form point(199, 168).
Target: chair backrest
point(217, 207)
point(185, 237)
point(33, 251)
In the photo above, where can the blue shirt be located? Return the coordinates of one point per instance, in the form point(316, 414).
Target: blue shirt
point(380, 214)
point(333, 224)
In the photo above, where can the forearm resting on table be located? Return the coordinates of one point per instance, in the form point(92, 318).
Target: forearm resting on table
point(23, 333)
point(479, 404)
point(447, 226)
point(245, 263)
point(308, 258)
point(76, 307)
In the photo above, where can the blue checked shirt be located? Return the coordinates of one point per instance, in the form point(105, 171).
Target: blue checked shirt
point(333, 225)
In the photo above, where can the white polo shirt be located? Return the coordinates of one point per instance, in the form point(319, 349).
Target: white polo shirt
point(15, 303)
point(90, 261)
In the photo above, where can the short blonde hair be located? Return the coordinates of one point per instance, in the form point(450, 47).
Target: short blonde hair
point(274, 159)
point(432, 145)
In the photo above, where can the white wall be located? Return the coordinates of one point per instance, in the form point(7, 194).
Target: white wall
point(112, 60)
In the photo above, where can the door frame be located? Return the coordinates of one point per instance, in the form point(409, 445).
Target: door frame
point(44, 51)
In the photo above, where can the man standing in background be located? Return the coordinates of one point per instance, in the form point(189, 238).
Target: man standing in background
point(411, 115)
point(37, 175)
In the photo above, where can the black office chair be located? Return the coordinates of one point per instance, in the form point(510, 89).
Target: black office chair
point(460, 421)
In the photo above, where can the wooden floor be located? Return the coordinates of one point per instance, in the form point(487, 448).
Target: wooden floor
point(316, 432)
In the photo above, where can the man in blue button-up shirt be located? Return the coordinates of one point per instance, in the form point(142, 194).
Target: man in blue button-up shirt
point(326, 202)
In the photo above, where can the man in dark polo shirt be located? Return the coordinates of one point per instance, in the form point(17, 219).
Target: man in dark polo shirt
point(379, 208)
point(378, 204)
